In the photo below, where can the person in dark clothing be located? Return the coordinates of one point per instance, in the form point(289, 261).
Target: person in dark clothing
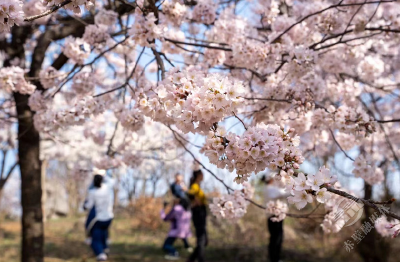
point(179, 189)
point(273, 193)
point(275, 241)
point(199, 216)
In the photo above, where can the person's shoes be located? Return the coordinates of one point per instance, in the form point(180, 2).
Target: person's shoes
point(189, 249)
point(172, 256)
point(101, 257)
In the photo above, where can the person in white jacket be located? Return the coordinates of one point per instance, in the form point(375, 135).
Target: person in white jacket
point(100, 197)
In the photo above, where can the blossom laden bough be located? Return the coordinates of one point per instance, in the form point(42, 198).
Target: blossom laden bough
point(260, 147)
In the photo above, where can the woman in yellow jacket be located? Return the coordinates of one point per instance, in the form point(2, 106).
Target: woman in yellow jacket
point(199, 215)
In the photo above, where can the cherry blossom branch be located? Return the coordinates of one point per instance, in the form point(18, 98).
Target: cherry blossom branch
point(109, 148)
point(288, 214)
point(3, 180)
point(199, 45)
point(368, 203)
point(337, 143)
point(48, 12)
point(127, 80)
point(245, 127)
point(351, 19)
point(323, 10)
point(269, 99)
point(346, 41)
point(160, 62)
point(197, 161)
point(388, 121)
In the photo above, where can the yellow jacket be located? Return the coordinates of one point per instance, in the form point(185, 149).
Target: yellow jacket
point(198, 193)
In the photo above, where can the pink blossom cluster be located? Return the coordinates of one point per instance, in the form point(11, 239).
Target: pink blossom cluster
point(105, 17)
point(204, 12)
point(278, 209)
point(268, 9)
point(73, 6)
point(35, 7)
point(333, 222)
point(107, 162)
point(10, 14)
point(365, 168)
point(49, 77)
point(175, 11)
point(251, 54)
point(98, 136)
point(131, 119)
point(12, 79)
point(386, 228)
point(174, 34)
point(48, 120)
point(83, 83)
point(230, 28)
point(346, 119)
point(37, 102)
point(132, 159)
point(305, 188)
point(76, 49)
point(193, 100)
point(96, 34)
point(232, 206)
point(370, 68)
point(145, 30)
point(260, 147)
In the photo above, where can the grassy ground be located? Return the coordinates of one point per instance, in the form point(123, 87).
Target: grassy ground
point(132, 242)
point(138, 237)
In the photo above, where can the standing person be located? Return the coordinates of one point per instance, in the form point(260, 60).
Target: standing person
point(273, 192)
point(199, 215)
point(100, 197)
point(180, 228)
point(179, 189)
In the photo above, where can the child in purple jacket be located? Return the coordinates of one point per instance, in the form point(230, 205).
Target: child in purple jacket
point(180, 228)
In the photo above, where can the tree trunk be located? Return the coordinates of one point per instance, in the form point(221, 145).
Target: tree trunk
point(373, 248)
point(154, 188)
point(44, 193)
point(1, 194)
point(31, 186)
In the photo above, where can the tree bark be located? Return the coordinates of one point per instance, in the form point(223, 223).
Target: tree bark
point(373, 248)
point(31, 184)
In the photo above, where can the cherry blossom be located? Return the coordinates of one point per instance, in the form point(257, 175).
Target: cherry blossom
point(365, 168)
point(11, 14)
point(76, 49)
point(145, 30)
point(190, 96)
point(73, 6)
point(49, 77)
point(386, 228)
point(232, 206)
point(278, 209)
point(204, 12)
point(95, 34)
point(13, 79)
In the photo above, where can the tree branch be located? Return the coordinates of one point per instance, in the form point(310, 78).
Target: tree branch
point(368, 203)
point(48, 12)
point(337, 143)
